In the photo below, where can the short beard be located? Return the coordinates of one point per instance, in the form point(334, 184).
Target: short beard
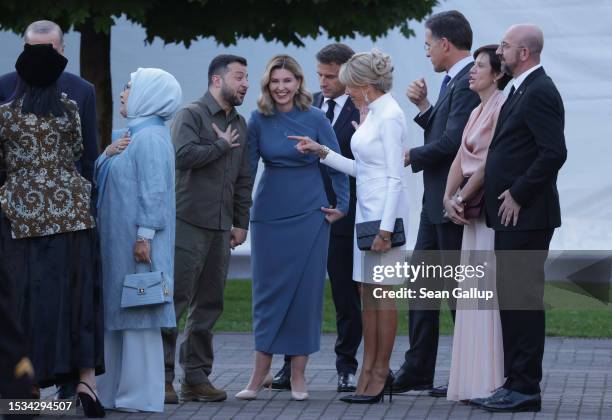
point(505, 68)
point(509, 69)
point(231, 97)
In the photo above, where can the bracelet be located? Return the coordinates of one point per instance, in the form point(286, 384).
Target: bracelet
point(323, 152)
point(143, 240)
point(459, 199)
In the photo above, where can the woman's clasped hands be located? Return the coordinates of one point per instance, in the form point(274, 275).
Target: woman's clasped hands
point(454, 211)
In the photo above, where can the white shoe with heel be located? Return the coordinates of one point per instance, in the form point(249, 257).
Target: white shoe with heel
point(249, 394)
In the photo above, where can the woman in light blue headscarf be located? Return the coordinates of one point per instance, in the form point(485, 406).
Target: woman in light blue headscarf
point(136, 219)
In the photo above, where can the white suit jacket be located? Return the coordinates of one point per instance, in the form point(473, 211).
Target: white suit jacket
point(378, 146)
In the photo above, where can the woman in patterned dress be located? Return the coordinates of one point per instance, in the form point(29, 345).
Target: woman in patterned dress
point(48, 243)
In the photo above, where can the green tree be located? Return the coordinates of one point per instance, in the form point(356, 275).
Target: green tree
point(184, 21)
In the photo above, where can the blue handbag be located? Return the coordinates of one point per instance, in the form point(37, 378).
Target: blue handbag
point(145, 289)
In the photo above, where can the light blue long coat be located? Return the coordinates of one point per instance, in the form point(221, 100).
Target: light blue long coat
point(137, 190)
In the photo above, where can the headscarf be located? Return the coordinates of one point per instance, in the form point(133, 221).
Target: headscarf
point(153, 92)
point(155, 96)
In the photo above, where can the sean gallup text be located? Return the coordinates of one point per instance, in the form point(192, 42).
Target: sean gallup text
point(424, 293)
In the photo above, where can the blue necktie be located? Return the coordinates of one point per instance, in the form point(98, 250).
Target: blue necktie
point(444, 85)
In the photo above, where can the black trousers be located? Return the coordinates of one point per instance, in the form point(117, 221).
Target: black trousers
point(13, 345)
point(520, 288)
point(424, 324)
point(345, 294)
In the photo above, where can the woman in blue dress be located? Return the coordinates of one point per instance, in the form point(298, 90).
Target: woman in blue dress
point(136, 216)
point(290, 225)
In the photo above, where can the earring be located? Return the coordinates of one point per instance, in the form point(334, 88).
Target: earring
point(365, 96)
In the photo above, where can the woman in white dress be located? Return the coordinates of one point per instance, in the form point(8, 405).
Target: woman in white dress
point(378, 146)
point(477, 358)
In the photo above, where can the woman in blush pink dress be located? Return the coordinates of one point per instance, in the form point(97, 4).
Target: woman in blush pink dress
point(477, 358)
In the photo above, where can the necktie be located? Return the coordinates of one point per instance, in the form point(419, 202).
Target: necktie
point(511, 93)
point(330, 110)
point(444, 85)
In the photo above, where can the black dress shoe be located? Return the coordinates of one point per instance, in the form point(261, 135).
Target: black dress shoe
point(513, 402)
point(282, 379)
point(403, 382)
point(497, 394)
point(346, 382)
point(439, 391)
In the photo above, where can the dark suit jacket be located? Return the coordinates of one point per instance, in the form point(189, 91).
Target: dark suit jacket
point(344, 131)
point(525, 155)
point(443, 124)
point(83, 93)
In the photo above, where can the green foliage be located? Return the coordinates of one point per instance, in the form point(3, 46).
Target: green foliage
point(589, 323)
point(184, 21)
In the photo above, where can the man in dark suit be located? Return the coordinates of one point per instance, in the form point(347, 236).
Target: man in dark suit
point(448, 40)
point(341, 112)
point(77, 89)
point(522, 206)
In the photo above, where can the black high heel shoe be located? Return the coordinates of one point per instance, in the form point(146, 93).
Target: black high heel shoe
point(389, 384)
point(91, 407)
point(373, 399)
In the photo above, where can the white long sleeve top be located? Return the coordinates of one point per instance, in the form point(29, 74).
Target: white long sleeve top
point(378, 146)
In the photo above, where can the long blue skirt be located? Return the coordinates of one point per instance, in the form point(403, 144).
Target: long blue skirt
point(289, 259)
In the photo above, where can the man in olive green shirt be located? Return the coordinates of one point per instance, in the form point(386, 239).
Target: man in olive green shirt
point(213, 198)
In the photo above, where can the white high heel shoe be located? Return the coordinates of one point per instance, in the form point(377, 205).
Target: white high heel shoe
point(298, 396)
point(249, 394)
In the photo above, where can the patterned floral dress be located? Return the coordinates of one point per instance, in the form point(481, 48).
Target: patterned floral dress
point(48, 242)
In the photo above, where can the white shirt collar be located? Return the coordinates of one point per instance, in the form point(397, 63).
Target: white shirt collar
point(517, 81)
point(340, 100)
point(458, 66)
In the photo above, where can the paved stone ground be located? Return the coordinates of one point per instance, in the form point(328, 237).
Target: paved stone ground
point(577, 383)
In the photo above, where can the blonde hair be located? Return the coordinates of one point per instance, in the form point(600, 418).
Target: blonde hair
point(368, 68)
point(302, 98)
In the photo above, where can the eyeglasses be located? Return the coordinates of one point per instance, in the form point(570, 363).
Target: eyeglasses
point(427, 47)
point(127, 86)
point(504, 46)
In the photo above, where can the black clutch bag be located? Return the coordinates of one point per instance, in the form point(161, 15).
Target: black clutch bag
point(367, 231)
